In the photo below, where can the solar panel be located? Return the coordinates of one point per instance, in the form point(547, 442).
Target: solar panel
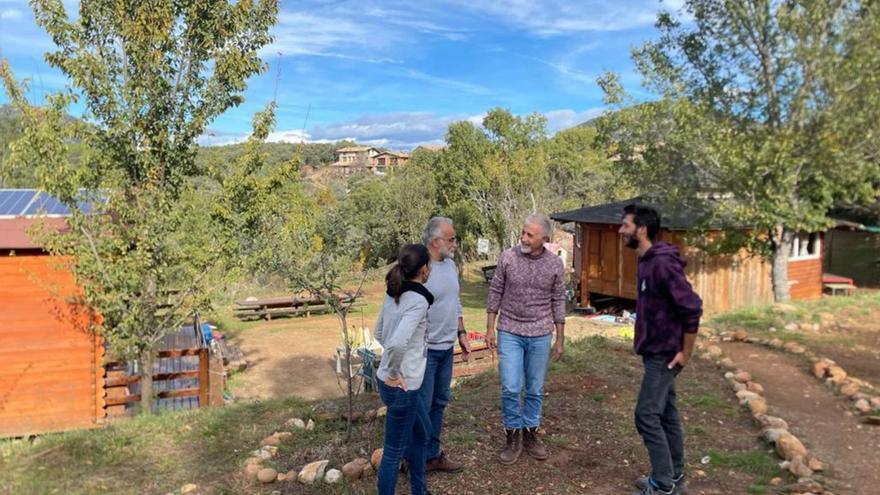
point(13, 202)
point(30, 202)
point(44, 204)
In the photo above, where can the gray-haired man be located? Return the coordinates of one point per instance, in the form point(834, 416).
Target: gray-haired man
point(445, 326)
point(529, 292)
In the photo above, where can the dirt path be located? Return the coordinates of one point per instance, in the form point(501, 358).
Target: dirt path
point(816, 416)
point(286, 357)
point(296, 356)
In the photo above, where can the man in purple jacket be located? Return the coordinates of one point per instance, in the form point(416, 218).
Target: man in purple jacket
point(667, 317)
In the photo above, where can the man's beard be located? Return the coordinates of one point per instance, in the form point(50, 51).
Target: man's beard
point(524, 249)
point(447, 254)
point(632, 242)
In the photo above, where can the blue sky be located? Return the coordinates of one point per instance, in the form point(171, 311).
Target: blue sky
point(396, 73)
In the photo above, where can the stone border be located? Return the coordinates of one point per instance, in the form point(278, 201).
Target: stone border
point(796, 459)
point(315, 471)
point(861, 394)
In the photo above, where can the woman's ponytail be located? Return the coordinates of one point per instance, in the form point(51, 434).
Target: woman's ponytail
point(410, 259)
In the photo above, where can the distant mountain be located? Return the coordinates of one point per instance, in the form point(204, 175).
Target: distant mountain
point(313, 154)
point(7, 112)
point(589, 123)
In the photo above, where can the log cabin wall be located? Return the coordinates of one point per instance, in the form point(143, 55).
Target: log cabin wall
point(51, 374)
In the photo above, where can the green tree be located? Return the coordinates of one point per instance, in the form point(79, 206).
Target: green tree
point(10, 131)
point(413, 202)
point(152, 75)
point(388, 211)
point(769, 104)
point(307, 241)
point(499, 170)
point(365, 207)
point(579, 173)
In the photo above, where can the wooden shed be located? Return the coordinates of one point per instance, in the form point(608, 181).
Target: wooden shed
point(852, 247)
point(53, 371)
point(51, 374)
point(605, 267)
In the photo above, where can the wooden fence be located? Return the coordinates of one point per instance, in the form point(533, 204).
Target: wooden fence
point(118, 382)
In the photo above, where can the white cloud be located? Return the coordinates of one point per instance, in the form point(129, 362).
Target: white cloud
point(420, 17)
point(567, 71)
point(364, 30)
point(305, 33)
point(400, 131)
point(10, 14)
point(448, 83)
point(554, 17)
point(558, 120)
point(292, 136)
point(214, 137)
point(395, 130)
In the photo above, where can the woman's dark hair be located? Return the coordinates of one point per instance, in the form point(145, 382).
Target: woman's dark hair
point(410, 260)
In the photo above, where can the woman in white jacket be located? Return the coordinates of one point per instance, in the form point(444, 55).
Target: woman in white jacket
point(401, 331)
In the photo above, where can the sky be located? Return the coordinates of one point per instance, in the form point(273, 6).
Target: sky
point(396, 73)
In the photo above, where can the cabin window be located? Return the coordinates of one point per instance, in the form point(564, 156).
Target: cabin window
point(805, 246)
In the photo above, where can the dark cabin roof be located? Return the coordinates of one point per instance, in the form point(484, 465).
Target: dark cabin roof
point(672, 217)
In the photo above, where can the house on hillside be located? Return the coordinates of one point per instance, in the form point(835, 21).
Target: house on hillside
point(604, 267)
point(354, 159)
point(389, 160)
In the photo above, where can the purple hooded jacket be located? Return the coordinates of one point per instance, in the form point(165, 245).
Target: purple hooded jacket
point(667, 306)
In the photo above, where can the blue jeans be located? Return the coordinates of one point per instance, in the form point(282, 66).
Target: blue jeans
point(406, 432)
point(520, 357)
point(436, 394)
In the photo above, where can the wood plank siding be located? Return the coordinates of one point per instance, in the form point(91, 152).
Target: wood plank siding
point(51, 378)
point(724, 282)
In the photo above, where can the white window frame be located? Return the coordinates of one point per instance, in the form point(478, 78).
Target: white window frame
point(797, 246)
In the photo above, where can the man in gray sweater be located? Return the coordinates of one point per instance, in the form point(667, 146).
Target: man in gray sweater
point(445, 326)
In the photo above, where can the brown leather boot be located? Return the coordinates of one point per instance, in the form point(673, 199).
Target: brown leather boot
point(443, 463)
point(513, 448)
point(533, 444)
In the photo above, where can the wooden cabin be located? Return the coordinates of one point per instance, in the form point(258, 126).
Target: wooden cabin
point(604, 266)
point(51, 372)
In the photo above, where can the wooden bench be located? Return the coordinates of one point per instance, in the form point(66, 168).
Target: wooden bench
point(479, 360)
point(267, 308)
point(837, 289)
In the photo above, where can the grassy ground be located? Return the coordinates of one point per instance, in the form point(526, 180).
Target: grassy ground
point(588, 423)
point(587, 418)
point(474, 290)
point(297, 356)
point(144, 455)
point(851, 336)
point(762, 318)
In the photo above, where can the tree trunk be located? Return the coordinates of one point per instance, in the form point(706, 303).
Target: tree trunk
point(147, 382)
point(348, 378)
point(780, 245)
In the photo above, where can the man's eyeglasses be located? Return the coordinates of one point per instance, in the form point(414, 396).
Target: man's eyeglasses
point(452, 240)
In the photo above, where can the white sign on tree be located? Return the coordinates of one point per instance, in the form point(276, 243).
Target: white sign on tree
point(483, 246)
